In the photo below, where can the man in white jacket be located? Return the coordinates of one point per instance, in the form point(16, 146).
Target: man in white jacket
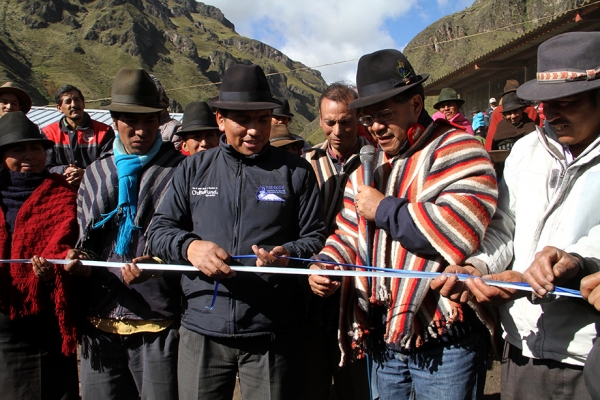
point(549, 197)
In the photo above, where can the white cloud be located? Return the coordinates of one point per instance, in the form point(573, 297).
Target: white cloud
point(317, 32)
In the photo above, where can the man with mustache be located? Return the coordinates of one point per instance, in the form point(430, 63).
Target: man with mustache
point(433, 195)
point(78, 139)
point(547, 198)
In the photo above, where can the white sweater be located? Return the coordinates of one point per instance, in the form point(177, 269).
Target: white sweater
point(544, 202)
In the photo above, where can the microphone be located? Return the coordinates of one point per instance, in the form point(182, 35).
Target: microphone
point(367, 159)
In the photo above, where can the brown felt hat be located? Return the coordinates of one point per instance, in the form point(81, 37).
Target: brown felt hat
point(198, 116)
point(20, 94)
point(567, 64)
point(510, 86)
point(244, 87)
point(15, 128)
point(281, 136)
point(383, 74)
point(134, 91)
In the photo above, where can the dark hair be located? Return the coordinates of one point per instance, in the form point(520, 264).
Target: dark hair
point(339, 92)
point(405, 96)
point(65, 89)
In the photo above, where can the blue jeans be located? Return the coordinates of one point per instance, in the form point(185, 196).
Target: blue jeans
point(455, 370)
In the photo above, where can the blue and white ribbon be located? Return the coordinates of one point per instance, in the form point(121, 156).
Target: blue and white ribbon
point(372, 271)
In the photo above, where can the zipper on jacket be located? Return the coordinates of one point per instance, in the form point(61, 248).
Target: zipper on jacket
point(235, 238)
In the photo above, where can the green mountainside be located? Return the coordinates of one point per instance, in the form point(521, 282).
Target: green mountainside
point(459, 38)
point(188, 45)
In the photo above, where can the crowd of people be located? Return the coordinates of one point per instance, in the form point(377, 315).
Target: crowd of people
point(506, 196)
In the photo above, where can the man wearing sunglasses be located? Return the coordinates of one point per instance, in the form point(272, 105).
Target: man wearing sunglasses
point(433, 196)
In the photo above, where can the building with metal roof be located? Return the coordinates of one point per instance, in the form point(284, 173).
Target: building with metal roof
point(479, 80)
point(43, 116)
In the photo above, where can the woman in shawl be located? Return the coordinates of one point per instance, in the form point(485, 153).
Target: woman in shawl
point(37, 222)
point(448, 106)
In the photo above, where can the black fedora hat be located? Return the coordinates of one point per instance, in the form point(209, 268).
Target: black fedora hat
point(510, 102)
point(448, 94)
point(134, 91)
point(198, 116)
point(283, 110)
point(567, 64)
point(244, 87)
point(382, 75)
point(20, 94)
point(15, 128)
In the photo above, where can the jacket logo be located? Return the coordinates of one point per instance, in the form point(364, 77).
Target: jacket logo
point(88, 135)
point(208, 191)
point(270, 193)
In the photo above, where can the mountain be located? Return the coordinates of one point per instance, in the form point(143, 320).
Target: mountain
point(456, 39)
point(188, 45)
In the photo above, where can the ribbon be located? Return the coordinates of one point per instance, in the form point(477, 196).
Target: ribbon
point(372, 271)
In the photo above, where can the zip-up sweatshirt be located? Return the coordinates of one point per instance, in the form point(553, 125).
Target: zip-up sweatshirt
point(268, 199)
point(80, 146)
point(543, 201)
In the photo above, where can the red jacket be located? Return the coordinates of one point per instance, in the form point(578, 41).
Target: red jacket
point(80, 147)
point(46, 225)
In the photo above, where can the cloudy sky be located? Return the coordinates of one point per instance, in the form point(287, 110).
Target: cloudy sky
point(318, 32)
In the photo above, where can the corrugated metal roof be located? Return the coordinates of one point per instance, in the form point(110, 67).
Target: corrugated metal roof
point(46, 115)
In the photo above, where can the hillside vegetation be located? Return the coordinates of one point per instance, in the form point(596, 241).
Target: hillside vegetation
point(188, 45)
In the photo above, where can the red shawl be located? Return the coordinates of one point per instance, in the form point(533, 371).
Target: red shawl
point(46, 226)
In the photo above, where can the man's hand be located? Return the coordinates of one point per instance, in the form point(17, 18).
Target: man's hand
point(322, 285)
point(492, 294)
point(133, 275)
point(75, 267)
point(367, 200)
point(269, 259)
point(590, 289)
point(74, 174)
point(210, 259)
point(550, 267)
point(43, 269)
point(450, 287)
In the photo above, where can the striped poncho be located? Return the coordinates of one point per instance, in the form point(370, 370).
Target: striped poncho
point(450, 184)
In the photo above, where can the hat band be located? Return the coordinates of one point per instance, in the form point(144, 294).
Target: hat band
point(568, 76)
point(202, 122)
point(147, 101)
point(246, 97)
point(379, 87)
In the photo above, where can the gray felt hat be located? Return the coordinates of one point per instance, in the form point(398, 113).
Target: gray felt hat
point(567, 64)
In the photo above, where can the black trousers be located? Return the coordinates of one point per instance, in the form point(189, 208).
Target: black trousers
point(267, 366)
point(525, 378)
point(32, 364)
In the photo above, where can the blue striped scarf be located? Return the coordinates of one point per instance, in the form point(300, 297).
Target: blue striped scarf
point(128, 167)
